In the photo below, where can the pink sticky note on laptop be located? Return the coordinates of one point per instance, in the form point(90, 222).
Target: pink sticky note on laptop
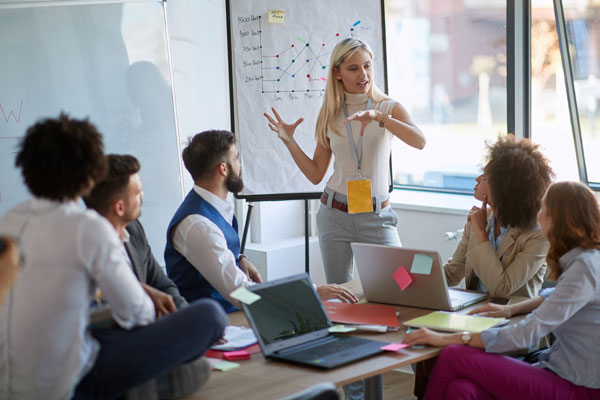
point(402, 277)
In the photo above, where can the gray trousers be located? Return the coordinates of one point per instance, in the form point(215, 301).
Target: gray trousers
point(337, 229)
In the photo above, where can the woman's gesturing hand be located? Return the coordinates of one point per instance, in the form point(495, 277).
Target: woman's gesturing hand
point(364, 117)
point(284, 131)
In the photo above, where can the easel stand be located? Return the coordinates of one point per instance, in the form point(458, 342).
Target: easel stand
point(306, 197)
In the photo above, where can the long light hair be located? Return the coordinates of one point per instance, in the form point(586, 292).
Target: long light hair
point(574, 221)
point(334, 90)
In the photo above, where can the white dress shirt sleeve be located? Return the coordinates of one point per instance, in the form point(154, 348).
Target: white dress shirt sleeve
point(203, 244)
point(575, 289)
point(101, 250)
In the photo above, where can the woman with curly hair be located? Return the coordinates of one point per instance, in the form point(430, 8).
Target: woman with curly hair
point(570, 218)
point(503, 252)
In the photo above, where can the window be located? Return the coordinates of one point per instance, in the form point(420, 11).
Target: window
point(550, 124)
point(582, 28)
point(447, 65)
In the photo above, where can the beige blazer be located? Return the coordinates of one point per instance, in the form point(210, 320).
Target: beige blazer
point(517, 268)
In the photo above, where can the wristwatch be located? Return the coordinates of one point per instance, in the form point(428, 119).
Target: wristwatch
point(466, 337)
point(384, 117)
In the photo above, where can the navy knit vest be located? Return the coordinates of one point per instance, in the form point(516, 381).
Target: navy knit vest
point(191, 284)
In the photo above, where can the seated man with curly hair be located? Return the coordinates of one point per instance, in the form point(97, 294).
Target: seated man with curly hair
point(503, 252)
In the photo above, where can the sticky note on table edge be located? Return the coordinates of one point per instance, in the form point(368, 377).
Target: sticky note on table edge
point(276, 16)
point(421, 264)
point(224, 365)
point(341, 329)
point(394, 346)
point(402, 278)
point(236, 355)
point(244, 295)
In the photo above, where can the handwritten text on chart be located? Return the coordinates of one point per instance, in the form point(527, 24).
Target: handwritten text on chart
point(7, 112)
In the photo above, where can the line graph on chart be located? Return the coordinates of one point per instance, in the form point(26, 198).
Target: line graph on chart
point(302, 66)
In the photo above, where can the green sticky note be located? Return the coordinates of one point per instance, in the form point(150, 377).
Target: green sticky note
point(225, 366)
point(421, 264)
point(244, 295)
point(341, 329)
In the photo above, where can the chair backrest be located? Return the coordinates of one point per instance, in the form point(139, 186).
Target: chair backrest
point(320, 391)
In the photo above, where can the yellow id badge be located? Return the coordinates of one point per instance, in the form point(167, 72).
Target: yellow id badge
point(359, 195)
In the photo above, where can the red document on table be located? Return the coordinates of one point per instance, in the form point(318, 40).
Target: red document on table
point(361, 314)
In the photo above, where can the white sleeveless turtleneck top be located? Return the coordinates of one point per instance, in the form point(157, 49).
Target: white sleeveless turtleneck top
point(376, 147)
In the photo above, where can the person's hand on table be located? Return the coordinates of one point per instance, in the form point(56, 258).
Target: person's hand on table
point(492, 310)
point(336, 292)
point(250, 270)
point(427, 336)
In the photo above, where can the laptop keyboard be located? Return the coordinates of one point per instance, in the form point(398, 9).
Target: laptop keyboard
point(323, 350)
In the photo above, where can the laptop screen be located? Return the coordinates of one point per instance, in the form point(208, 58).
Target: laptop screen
point(288, 308)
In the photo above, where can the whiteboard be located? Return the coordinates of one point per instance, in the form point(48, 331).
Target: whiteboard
point(285, 65)
point(108, 62)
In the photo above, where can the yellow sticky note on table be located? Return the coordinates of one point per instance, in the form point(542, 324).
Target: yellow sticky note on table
point(224, 366)
point(341, 329)
point(359, 196)
point(244, 295)
point(276, 16)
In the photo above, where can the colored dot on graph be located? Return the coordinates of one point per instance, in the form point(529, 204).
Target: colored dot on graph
point(292, 45)
point(308, 76)
point(293, 76)
point(277, 80)
point(277, 56)
point(276, 67)
point(323, 44)
point(293, 60)
point(323, 67)
point(307, 45)
point(351, 29)
point(337, 34)
point(307, 60)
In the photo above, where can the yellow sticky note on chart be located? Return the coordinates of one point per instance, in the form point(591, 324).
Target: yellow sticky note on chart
point(244, 295)
point(359, 196)
point(276, 16)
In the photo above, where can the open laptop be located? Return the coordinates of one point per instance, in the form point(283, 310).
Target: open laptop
point(291, 325)
point(377, 263)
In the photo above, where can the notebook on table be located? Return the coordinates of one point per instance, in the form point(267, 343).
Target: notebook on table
point(454, 322)
point(425, 279)
point(291, 325)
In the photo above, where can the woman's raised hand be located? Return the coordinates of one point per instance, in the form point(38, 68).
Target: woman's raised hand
point(284, 131)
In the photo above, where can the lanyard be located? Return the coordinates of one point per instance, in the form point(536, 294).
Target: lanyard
point(356, 154)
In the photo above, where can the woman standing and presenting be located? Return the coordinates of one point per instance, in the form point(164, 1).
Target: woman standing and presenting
point(570, 218)
point(356, 124)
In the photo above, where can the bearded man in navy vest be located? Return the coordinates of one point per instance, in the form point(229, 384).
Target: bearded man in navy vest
point(203, 248)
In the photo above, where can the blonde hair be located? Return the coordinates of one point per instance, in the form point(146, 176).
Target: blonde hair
point(334, 90)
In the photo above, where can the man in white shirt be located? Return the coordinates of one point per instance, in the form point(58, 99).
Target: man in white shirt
point(48, 352)
point(118, 198)
point(203, 248)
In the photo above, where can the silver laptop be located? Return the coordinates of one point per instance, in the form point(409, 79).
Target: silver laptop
point(291, 325)
point(377, 264)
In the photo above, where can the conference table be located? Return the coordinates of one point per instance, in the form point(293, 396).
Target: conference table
point(263, 379)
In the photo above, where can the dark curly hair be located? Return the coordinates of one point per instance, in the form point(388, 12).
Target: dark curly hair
point(574, 221)
point(105, 192)
point(205, 151)
point(59, 158)
point(518, 175)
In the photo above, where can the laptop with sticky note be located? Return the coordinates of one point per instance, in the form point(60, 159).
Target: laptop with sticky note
point(408, 277)
point(292, 326)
